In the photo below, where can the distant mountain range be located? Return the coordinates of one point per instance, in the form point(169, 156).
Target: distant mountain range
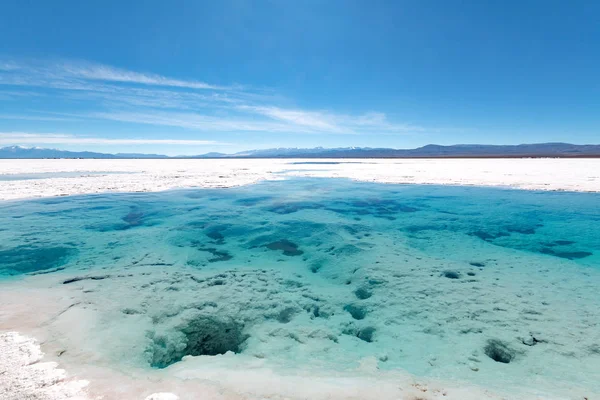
point(429, 151)
point(38, 152)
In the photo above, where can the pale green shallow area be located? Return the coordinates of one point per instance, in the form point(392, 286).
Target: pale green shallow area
point(493, 287)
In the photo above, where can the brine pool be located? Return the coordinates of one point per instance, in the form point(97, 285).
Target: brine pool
point(491, 287)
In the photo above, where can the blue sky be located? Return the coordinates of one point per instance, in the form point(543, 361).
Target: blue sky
point(188, 77)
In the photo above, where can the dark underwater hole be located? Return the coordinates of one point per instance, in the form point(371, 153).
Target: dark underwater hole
point(288, 248)
point(315, 267)
point(215, 235)
point(366, 334)
point(286, 315)
point(499, 351)
point(363, 293)
point(451, 274)
point(134, 218)
point(202, 336)
point(357, 312)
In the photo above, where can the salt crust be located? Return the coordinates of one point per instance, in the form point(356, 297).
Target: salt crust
point(98, 176)
point(24, 377)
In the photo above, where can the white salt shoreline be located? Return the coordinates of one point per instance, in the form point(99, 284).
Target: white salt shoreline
point(102, 176)
point(23, 375)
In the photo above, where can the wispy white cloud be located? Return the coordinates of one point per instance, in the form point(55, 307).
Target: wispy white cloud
point(37, 118)
point(331, 122)
point(306, 119)
point(20, 93)
point(106, 73)
point(8, 65)
point(116, 94)
point(20, 138)
point(68, 71)
point(197, 122)
point(116, 97)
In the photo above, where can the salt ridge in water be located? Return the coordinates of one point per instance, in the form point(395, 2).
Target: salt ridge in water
point(313, 277)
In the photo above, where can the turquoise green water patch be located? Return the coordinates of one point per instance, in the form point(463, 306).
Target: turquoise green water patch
point(485, 285)
point(28, 259)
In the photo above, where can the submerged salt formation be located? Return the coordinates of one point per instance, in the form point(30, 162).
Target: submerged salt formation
point(312, 278)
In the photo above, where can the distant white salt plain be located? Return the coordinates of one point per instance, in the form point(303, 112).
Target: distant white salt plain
point(46, 178)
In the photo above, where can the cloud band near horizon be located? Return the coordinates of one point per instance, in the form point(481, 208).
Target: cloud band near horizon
point(101, 92)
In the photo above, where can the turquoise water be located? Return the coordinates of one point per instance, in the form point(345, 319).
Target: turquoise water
point(478, 284)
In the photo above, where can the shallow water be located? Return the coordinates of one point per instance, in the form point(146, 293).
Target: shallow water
point(483, 285)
